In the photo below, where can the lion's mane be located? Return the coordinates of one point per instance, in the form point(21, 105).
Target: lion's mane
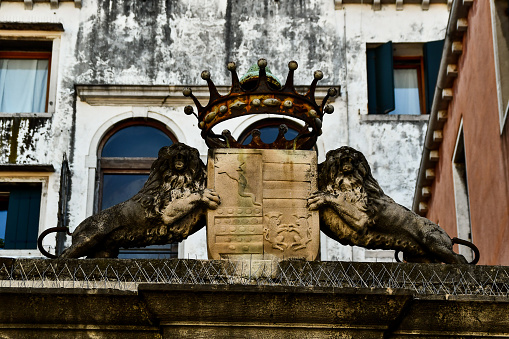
point(358, 212)
point(362, 189)
point(166, 184)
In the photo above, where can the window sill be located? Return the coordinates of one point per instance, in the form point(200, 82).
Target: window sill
point(386, 118)
point(21, 254)
point(25, 115)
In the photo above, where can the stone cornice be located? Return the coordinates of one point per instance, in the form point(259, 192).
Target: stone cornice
point(159, 95)
point(447, 75)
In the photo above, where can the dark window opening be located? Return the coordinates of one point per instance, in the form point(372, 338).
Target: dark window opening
point(461, 197)
point(124, 159)
point(19, 215)
point(402, 77)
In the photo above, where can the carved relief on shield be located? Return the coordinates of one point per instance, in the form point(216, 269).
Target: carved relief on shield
point(263, 203)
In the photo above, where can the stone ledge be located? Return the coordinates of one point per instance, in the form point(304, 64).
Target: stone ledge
point(366, 118)
point(160, 95)
point(220, 311)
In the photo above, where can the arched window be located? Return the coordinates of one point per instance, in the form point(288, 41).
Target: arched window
point(124, 158)
point(269, 130)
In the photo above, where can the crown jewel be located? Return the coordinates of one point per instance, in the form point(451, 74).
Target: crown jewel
point(261, 94)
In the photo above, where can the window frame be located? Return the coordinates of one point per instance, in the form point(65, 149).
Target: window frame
point(32, 56)
point(503, 108)
point(29, 178)
point(461, 192)
point(35, 35)
point(130, 165)
point(406, 62)
point(383, 56)
point(124, 165)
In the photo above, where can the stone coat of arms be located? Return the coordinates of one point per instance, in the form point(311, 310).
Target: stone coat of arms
point(263, 203)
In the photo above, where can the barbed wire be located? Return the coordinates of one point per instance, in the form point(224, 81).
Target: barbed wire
point(128, 274)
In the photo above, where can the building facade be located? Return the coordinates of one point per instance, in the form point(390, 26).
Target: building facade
point(102, 91)
point(463, 179)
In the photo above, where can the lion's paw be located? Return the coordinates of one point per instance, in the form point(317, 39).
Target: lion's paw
point(211, 198)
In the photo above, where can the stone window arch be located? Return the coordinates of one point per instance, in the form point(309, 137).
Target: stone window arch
point(124, 157)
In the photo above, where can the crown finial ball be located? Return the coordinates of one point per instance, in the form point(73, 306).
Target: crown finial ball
point(329, 109)
point(205, 75)
point(262, 63)
point(231, 66)
point(209, 117)
point(187, 91)
point(332, 92)
point(312, 113)
point(188, 110)
point(318, 75)
point(293, 65)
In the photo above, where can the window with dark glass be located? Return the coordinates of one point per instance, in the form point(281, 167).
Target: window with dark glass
point(124, 158)
point(402, 77)
point(25, 68)
point(20, 205)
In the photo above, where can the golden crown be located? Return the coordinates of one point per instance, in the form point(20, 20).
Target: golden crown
point(261, 94)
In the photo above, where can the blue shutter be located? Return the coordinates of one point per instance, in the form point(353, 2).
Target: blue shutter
point(380, 69)
point(432, 55)
point(22, 226)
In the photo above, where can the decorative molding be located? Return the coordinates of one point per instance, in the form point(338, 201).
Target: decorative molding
point(447, 94)
point(452, 70)
point(433, 156)
point(442, 116)
point(438, 136)
point(426, 191)
point(393, 117)
point(457, 47)
point(377, 5)
point(430, 173)
point(159, 95)
point(462, 24)
point(26, 168)
point(29, 4)
point(32, 26)
point(423, 207)
point(447, 75)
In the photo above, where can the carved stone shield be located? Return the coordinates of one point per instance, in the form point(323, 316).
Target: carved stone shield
point(263, 203)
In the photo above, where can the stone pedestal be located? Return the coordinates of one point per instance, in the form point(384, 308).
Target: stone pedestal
point(263, 210)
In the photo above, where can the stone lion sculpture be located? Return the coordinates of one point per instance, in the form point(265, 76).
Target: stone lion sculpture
point(355, 211)
point(170, 207)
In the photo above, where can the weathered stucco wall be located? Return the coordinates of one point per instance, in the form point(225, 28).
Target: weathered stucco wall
point(171, 42)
